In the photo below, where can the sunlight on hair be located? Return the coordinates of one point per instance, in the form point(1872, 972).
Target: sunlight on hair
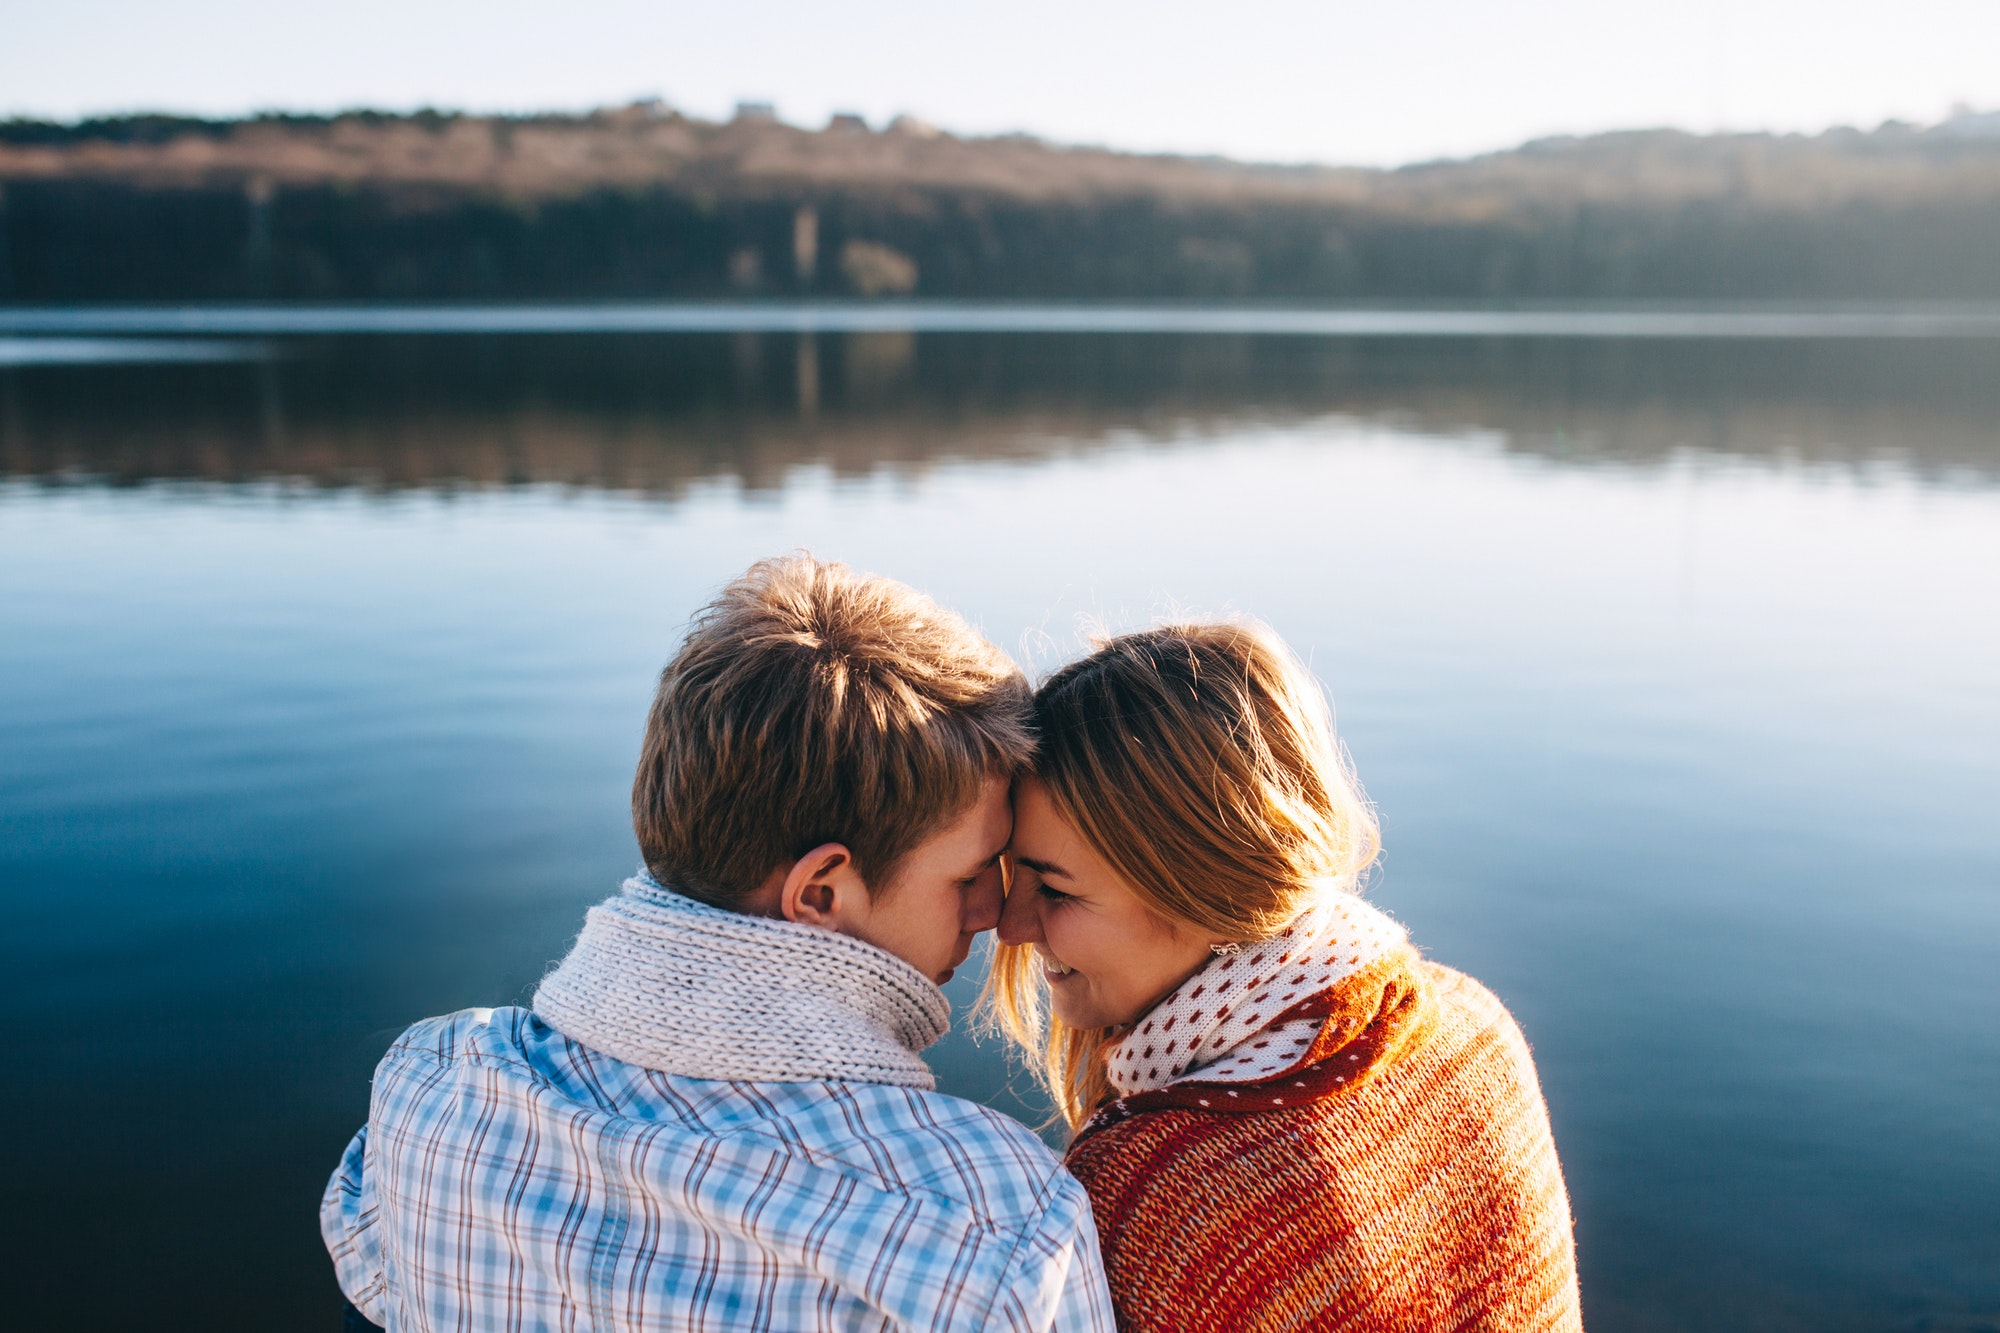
point(1199, 759)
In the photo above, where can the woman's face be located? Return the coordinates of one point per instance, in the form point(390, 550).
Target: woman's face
point(1107, 956)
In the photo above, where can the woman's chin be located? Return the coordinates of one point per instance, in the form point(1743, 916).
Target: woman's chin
point(1071, 1008)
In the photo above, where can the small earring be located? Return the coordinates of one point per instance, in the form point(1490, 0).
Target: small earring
point(1229, 950)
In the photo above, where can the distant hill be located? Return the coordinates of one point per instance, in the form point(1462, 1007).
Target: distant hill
point(643, 202)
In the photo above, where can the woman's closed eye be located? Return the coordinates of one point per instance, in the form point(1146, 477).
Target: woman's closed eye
point(1050, 894)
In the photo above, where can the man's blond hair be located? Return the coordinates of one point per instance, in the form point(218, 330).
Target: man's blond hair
point(811, 704)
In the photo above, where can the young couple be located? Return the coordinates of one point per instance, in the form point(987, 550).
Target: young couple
point(714, 1114)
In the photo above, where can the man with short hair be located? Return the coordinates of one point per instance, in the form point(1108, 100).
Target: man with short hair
point(714, 1114)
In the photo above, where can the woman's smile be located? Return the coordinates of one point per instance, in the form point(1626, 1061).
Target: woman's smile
point(1105, 955)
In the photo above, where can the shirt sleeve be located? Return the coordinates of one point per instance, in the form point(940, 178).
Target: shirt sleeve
point(1063, 1287)
point(1085, 1304)
point(347, 1222)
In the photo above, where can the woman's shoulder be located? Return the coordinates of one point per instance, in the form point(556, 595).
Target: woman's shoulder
point(1472, 1023)
point(1164, 1139)
point(1172, 1172)
point(1207, 1207)
point(1464, 993)
point(1453, 1044)
point(1156, 1171)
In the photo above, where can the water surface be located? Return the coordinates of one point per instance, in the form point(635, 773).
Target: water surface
point(1671, 664)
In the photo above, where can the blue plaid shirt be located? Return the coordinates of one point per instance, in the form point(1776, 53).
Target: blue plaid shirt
point(509, 1178)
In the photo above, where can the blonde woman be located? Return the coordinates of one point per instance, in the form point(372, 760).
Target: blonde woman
point(1286, 1118)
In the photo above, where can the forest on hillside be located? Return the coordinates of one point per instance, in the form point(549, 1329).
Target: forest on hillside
point(642, 202)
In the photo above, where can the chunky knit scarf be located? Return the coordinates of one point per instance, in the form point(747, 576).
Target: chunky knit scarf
point(1229, 1022)
point(661, 981)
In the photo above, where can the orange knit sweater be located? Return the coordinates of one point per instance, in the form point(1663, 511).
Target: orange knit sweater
point(1403, 1178)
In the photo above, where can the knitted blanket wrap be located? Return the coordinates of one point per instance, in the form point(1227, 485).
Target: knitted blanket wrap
point(663, 982)
point(1228, 1023)
point(1404, 1182)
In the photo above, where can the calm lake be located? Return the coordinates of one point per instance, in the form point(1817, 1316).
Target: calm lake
point(1671, 656)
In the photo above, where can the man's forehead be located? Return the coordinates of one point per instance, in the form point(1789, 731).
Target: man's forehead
point(995, 808)
point(997, 832)
point(978, 835)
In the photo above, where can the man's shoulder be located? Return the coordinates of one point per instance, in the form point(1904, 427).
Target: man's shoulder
point(906, 1140)
point(920, 1142)
point(926, 1116)
point(924, 1112)
point(521, 1065)
point(506, 1036)
point(445, 1036)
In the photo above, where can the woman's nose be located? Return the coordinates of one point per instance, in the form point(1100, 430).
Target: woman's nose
point(1020, 922)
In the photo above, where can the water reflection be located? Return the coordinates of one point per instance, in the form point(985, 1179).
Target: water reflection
point(654, 414)
point(315, 724)
point(115, 351)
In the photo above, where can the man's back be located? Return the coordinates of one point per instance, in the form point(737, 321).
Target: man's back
point(510, 1177)
point(716, 1113)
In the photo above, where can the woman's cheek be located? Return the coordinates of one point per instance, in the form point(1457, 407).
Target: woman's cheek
point(1062, 940)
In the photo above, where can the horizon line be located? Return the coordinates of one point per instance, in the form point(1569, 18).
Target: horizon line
point(1958, 111)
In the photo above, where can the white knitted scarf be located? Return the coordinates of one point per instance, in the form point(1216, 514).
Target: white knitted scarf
point(661, 981)
point(1217, 1026)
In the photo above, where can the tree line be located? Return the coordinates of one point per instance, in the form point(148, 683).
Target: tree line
point(1894, 213)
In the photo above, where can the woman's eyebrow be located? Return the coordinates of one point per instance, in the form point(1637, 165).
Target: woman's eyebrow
point(1045, 869)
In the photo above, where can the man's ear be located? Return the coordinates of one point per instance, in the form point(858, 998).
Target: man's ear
point(823, 889)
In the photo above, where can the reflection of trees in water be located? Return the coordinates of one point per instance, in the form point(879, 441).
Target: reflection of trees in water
point(655, 413)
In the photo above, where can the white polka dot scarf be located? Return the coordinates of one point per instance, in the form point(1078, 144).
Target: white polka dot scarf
point(1218, 1025)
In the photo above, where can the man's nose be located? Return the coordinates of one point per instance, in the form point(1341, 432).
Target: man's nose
point(1020, 922)
point(983, 903)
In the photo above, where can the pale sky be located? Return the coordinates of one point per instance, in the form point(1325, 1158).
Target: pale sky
point(1331, 81)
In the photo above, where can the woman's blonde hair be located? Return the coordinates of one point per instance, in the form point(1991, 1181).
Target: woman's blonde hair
point(1199, 760)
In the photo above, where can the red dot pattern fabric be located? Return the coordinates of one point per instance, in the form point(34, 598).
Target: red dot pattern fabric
point(1236, 1019)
